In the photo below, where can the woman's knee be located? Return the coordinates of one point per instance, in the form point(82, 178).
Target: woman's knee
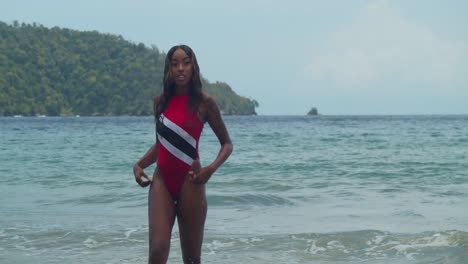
point(159, 250)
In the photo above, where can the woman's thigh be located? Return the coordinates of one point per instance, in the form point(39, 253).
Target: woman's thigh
point(191, 214)
point(161, 214)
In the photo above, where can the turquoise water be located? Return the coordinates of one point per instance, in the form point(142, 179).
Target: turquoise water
point(327, 189)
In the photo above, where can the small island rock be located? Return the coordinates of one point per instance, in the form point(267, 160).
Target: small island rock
point(313, 111)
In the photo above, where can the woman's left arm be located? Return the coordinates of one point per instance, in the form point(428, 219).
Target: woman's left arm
point(202, 175)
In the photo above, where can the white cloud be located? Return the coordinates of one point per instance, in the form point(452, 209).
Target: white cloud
point(380, 44)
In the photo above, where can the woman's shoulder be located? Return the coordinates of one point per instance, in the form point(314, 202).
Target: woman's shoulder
point(209, 107)
point(157, 98)
point(156, 101)
point(208, 100)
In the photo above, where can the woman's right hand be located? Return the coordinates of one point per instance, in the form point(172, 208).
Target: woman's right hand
point(139, 174)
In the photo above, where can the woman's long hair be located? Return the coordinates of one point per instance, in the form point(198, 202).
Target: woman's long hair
point(195, 85)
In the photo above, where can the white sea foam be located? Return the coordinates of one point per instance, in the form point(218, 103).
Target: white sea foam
point(435, 240)
point(90, 243)
point(130, 231)
point(217, 244)
point(314, 249)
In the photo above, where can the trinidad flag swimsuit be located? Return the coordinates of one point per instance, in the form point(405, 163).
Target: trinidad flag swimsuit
point(178, 131)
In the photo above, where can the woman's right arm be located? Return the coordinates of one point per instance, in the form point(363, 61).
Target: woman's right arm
point(149, 158)
point(138, 169)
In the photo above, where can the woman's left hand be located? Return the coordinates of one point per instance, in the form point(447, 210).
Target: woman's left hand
point(199, 175)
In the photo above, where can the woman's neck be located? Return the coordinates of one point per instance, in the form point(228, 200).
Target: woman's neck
point(180, 90)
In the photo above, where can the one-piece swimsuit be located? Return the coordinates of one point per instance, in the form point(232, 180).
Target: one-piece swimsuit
point(178, 131)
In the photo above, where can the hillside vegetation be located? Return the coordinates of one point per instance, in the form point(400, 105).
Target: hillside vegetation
point(59, 71)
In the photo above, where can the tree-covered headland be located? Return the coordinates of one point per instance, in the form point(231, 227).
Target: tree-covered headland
point(58, 71)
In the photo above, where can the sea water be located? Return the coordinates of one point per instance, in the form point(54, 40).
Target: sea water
point(296, 189)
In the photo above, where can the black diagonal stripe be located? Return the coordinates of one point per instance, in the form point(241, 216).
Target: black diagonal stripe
point(176, 140)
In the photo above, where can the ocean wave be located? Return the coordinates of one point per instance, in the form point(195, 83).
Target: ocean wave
point(366, 246)
point(244, 200)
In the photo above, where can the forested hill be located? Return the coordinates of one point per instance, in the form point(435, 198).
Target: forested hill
point(58, 71)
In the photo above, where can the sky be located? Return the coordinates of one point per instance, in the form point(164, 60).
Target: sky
point(357, 57)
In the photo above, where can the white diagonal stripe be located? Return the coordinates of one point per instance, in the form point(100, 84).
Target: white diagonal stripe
point(175, 151)
point(180, 131)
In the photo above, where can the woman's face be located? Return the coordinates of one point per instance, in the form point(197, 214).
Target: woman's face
point(181, 68)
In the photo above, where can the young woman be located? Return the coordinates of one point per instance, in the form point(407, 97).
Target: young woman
point(178, 183)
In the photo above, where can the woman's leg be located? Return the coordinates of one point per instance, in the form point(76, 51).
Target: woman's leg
point(191, 215)
point(161, 215)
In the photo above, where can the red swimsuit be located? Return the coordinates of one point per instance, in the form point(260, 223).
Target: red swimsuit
point(178, 130)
